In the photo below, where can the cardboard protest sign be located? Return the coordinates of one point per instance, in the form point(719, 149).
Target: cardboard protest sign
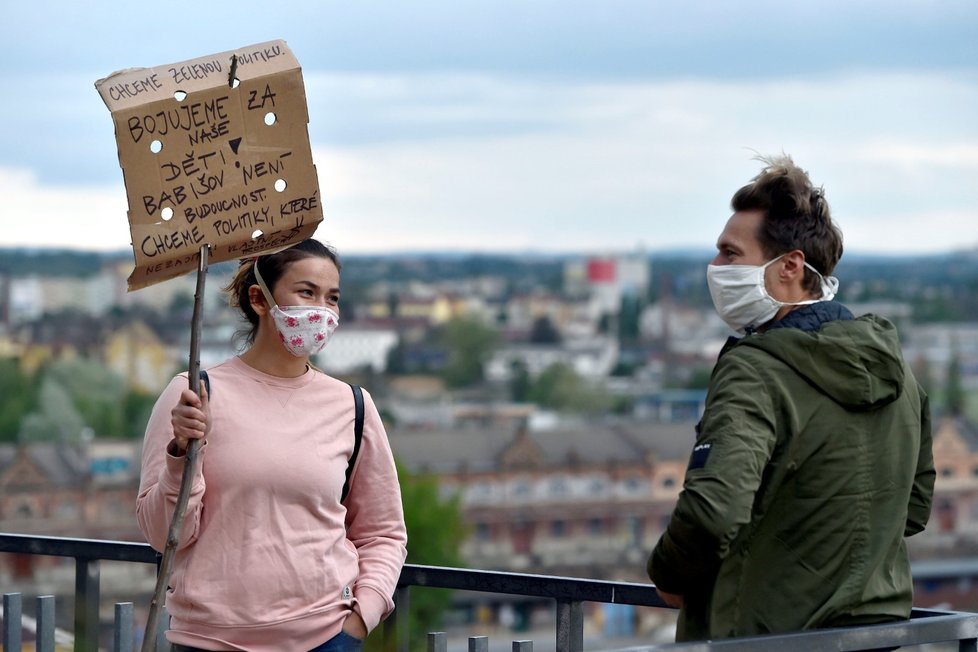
point(214, 151)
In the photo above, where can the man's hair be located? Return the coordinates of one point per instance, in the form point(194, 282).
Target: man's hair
point(796, 216)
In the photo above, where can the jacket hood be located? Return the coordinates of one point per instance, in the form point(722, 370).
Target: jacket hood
point(858, 363)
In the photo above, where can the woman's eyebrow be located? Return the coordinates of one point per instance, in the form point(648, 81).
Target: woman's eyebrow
point(312, 285)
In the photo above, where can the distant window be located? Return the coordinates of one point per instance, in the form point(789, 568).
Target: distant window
point(482, 532)
point(481, 490)
point(67, 510)
point(669, 482)
point(558, 529)
point(521, 488)
point(634, 484)
point(947, 472)
point(596, 526)
point(24, 511)
point(559, 487)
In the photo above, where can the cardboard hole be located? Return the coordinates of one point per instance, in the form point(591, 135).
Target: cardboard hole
point(280, 185)
point(156, 146)
point(180, 96)
point(256, 234)
point(235, 82)
point(270, 118)
point(166, 214)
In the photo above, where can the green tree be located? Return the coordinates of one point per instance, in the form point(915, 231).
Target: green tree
point(56, 417)
point(19, 397)
point(953, 391)
point(470, 343)
point(82, 393)
point(98, 394)
point(543, 331)
point(435, 534)
point(137, 407)
point(520, 383)
point(629, 318)
point(560, 388)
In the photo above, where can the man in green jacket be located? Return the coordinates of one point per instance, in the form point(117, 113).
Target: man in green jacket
point(813, 459)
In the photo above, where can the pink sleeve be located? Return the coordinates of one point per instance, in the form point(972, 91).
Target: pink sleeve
point(161, 475)
point(375, 520)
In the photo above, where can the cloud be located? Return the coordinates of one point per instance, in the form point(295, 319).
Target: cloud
point(490, 163)
point(70, 217)
point(626, 164)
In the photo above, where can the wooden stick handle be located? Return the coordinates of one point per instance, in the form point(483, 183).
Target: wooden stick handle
point(189, 468)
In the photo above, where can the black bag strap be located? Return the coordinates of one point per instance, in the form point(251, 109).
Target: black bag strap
point(357, 437)
point(207, 382)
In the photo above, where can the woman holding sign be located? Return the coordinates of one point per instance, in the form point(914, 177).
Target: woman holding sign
point(274, 554)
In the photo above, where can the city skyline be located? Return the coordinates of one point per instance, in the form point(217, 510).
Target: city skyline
point(548, 127)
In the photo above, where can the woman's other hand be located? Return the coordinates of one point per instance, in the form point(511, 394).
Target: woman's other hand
point(354, 626)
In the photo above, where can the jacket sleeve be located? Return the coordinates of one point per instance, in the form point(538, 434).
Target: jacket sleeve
point(735, 440)
point(375, 520)
point(161, 475)
point(922, 492)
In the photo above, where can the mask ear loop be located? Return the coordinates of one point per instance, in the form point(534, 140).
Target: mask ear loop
point(830, 285)
point(264, 288)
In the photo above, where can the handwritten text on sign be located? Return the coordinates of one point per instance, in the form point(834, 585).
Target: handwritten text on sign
point(211, 159)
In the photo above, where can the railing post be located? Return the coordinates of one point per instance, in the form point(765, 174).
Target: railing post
point(522, 646)
point(478, 644)
point(396, 631)
point(86, 604)
point(122, 640)
point(437, 642)
point(45, 623)
point(163, 645)
point(570, 626)
point(11, 621)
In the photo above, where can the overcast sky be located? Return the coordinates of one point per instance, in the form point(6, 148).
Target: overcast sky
point(552, 126)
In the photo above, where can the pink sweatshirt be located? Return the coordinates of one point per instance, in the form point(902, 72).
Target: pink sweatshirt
point(269, 559)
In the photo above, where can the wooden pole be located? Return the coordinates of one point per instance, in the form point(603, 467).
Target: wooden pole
point(190, 465)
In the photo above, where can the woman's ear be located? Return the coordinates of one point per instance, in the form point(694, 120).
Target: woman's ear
point(257, 300)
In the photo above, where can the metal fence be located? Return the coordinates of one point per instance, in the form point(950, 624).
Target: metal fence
point(569, 595)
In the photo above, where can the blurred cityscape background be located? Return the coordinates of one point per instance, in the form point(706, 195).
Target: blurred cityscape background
point(541, 407)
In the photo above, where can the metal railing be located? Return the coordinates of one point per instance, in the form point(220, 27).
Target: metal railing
point(568, 593)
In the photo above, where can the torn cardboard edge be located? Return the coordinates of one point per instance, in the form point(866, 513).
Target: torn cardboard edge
point(210, 158)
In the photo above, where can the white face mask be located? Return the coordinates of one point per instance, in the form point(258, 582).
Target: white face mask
point(742, 300)
point(304, 330)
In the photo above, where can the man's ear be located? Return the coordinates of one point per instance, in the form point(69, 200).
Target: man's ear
point(791, 271)
point(793, 264)
point(257, 300)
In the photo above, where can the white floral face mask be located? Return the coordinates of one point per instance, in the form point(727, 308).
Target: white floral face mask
point(304, 330)
point(742, 299)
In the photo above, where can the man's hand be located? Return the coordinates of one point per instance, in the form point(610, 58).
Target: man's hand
point(672, 599)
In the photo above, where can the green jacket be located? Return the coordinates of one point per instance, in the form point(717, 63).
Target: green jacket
point(812, 463)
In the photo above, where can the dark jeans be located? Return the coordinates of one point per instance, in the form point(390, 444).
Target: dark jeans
point(342, 642)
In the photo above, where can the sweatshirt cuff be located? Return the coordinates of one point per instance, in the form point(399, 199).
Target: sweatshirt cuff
point(172, 475)
point(372, 606)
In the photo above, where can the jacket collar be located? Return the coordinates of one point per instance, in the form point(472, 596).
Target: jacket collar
point(811, 317)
